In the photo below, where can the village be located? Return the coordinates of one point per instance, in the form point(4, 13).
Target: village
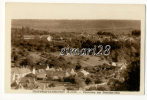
point(37, 78)
point(43, 76)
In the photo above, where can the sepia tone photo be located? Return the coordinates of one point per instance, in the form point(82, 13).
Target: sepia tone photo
point(76, 55)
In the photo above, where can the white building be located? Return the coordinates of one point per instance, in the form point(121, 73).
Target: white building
point(47, 68)
point(49, 38)
point(73, 72)
point(17, 73)
point(84, 72)
point(113, 64)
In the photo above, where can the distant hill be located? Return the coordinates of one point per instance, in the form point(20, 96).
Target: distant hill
point(89, 26)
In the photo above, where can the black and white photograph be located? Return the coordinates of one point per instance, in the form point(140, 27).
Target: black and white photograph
point(68, 55)
point(101, 55)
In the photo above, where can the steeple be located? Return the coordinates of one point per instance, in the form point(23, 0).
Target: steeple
point(47, 68)
point(33, 70)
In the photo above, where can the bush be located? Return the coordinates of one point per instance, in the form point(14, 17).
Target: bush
point(31, 75)
point(70, 88)
point(78, 67)
point(114, 85)
point(101, 88)
point(49, 78)
point(87, 58)
point(97, 81)
point(61, 58)
point(52, 85)
point(66, 79)
point(43, 53)
point(88, 80)
point(136, 32)
point(61, 79)
point(53, 49)
point(79, 82)
point(21, 53)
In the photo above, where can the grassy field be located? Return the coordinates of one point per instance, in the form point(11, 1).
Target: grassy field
point(85, 61)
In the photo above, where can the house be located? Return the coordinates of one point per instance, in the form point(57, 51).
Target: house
point(57, 38)
point(41, 75)
point(39, 68)
point(116, 68)
point(17, 73)
point(46, 37)
point(55, 78)
point(124, 66)
point(28, 83)
point(113, 64)
point(72, 72)
point(28, 37)
point(79, 73)
point(54, 74)
point(85, 72)
point(67, 74)
point(49, 38)
point(27, 80)
point(50, 69)
point(59, 69)
point(49, 73)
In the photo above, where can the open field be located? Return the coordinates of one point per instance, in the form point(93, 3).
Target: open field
point(85, 61)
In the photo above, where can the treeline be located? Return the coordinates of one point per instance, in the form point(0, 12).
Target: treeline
point(104, 33)
point(28, 31)
point(136, 32)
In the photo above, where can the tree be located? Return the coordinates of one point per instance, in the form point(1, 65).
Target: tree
point(78, 67)
point(61, 79)
point(16, 58)
point(17, 64)
point(47, 46)
point(113, 55)
point(97, 81)
point(109, 58)
point(13, 53)
point(115, 85)
point(28, 61)
point(88, 80)
point(21, 53)
point(131, 76)
point(132, 81)
point(79, 82)
point(61, 58)
point(136, 32)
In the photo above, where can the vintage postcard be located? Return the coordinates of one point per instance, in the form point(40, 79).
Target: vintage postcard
point(74, 48)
